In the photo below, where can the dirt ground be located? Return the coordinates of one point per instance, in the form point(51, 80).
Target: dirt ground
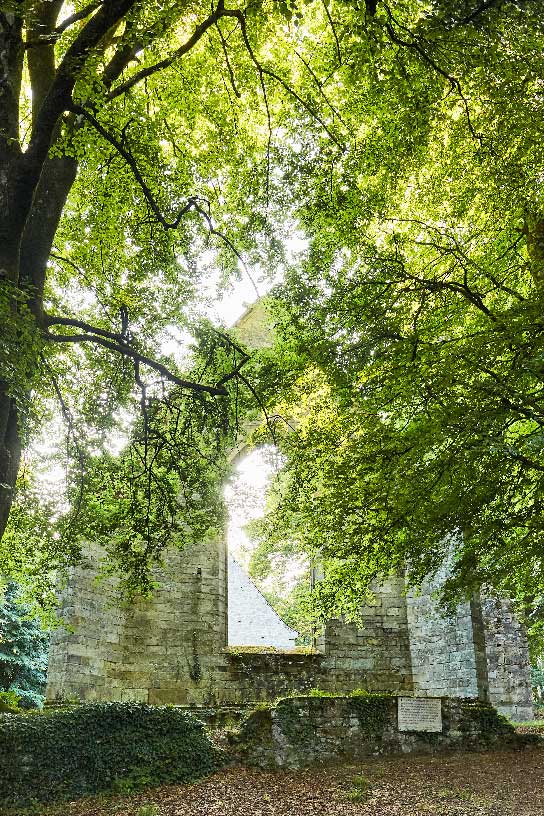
point(505, 783)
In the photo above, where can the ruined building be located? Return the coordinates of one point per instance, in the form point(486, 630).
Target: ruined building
point(172, 649)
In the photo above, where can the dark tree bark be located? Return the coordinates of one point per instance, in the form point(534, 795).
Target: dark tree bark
point(33, 190)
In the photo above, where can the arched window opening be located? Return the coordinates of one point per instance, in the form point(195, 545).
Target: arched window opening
point(263, 588)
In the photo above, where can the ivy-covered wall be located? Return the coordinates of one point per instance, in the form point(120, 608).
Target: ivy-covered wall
point(302, 731)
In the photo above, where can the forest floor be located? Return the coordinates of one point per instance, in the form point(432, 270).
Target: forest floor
point(499, 783)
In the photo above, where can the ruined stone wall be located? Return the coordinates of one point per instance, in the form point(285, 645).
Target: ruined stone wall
point(442, 648)
point(163, 650)
point(304, 731)
point(248, 676)
point(78, 653)
point(479, 651)
point(245, 676)
point(378, 650)
point(171, 649)
point(507, 659)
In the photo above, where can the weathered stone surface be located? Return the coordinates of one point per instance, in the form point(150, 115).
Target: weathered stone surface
point(303, 731)
point(170, 642)
point(171, 649)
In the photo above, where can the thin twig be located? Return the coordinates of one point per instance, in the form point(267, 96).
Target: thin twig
point(227, 60)
point(333, 28)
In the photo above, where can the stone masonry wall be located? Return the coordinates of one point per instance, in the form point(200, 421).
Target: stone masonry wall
point(247, 676)
point(379, 650)
point(479, 651)
point(171, 649)
point(303, 731)
point(159, 651)
point(507, 659)
point(442, 648)
point(77, 656)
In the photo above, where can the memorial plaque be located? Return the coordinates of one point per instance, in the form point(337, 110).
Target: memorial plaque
point(420, 713)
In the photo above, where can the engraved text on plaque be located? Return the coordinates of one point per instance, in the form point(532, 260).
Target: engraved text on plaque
point(420, 714)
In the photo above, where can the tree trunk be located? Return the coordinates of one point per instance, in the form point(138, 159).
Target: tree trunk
point(11, 351)
point(25, 244)
point(33, 192)
point(10, 456)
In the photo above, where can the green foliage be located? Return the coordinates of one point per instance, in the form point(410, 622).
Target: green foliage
point(294, 604)
point(316, 692)
point(487, 718)
point(416, 319)
point(148, 810)
point(9, 702)
point(95, 747)
point(407, 146)
point(241, 650)
point(179, 190)
point(360, 789)
point(537, 682)
point(373, 712)
point(23, 651)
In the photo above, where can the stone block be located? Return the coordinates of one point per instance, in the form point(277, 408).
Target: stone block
point(134, 695)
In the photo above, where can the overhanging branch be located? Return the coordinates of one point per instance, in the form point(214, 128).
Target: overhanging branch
point(114, 342)
point(167, 61)
point(193, 202)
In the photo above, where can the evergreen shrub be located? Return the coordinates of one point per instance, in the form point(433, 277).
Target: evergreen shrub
point(95, 747)
point(23, 650)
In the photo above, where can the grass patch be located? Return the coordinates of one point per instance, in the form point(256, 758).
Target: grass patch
point(361, 787)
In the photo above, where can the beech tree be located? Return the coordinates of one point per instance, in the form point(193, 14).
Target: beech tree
point(137, 149)
point(411, 340)
point(143, 144)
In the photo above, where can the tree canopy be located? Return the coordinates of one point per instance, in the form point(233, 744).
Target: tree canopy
point(411, 339)
point(144, 144)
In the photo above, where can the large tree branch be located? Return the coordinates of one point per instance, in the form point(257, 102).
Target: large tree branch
point(199, 31)
point(116, 342)
point(11, 65)
point(129, 159)
point(193, 203)
point(38, 38)
point(78, 15)
point(58, 98)
point(41, 58)
point(59, 320)
point(127, 351)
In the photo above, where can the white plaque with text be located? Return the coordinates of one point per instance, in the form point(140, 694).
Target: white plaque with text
point(420, 714)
